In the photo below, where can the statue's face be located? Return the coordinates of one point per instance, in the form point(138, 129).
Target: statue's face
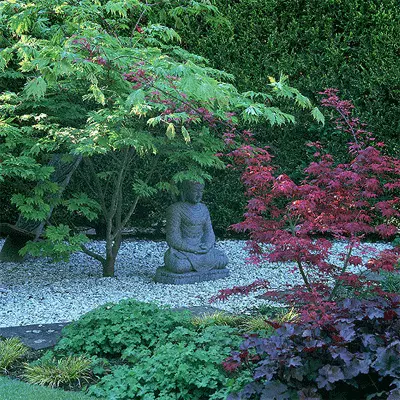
point(194, 192)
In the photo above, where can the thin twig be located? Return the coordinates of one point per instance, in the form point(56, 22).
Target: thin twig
point(138, 21)
point(134, 204)
point(346, 262)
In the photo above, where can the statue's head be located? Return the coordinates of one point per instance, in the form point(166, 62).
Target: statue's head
point(191, 191)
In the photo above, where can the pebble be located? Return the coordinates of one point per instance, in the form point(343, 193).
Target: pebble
point(40, 291)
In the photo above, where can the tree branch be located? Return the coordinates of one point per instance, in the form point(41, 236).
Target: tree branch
point(138, 21)
point(118, 185)
point(304, 276)
point(338, 283)
point(97, 183)
point(93, 254)
point(134, 204)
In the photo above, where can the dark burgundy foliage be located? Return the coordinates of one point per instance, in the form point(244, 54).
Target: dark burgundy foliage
point(290, 222)
point(356, 353)
point(337, 348)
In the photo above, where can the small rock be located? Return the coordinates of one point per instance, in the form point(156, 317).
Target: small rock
point(36, 331)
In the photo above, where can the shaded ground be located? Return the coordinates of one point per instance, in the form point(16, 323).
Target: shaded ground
point(37, 337)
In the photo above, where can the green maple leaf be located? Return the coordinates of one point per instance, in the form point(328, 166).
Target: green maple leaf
point(36, 88)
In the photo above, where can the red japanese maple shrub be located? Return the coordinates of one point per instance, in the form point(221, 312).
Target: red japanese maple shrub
point(290, 222)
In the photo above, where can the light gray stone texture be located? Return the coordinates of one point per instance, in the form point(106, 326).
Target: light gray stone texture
point(191, 256)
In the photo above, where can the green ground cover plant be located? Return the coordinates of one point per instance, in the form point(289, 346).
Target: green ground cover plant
point(110, 330)
point(187, 365)
point(143, 351)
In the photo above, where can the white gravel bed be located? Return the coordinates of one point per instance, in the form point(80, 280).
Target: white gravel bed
point(40, 291)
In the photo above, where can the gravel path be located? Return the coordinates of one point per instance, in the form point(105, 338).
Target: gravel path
point(39, 291)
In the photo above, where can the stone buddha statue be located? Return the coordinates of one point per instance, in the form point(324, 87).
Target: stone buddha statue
point(191, 240)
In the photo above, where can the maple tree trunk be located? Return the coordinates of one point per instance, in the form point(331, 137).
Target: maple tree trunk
point(109, 266)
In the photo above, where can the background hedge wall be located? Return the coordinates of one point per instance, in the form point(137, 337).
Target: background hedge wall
point(353, 45)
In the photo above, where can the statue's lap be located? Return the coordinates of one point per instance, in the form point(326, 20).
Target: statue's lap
point(180, 262)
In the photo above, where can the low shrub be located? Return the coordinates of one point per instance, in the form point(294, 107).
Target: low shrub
point(142, 351)
point(11, 350)
point(66, 371)
point(110, 329)
point(354, 355)
point(186, 365)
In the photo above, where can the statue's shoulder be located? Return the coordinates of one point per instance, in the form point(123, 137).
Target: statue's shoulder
point(203, 206)
point(175, 207)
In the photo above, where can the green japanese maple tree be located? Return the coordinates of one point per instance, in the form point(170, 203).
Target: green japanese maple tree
point(103, 80)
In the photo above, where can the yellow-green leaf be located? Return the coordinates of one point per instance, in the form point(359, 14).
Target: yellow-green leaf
point(185, 134)
point(170, 131)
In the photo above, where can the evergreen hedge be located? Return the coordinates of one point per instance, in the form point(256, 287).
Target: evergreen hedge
point(352, 45)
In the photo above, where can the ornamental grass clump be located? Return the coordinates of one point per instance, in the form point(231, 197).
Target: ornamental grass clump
point(391, 282)
point(68, 371)
point(11, 350)
point(259, 323)
point(217, 318)
point(245, 323)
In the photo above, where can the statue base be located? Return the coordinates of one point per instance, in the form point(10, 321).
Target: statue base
point(163, 275)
